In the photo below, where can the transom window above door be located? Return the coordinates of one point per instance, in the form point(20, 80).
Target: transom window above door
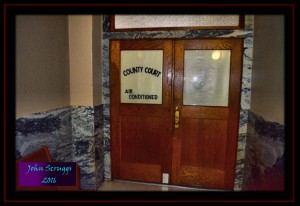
point(174, 22)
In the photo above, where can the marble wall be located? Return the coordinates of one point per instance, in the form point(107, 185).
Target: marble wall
point(51, 128)
point(264, 163)
point(71, 134)
point(246, 33)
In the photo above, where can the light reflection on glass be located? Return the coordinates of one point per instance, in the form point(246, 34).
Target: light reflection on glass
point(216, 55)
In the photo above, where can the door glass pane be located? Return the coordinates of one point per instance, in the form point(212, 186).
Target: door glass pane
point(206, 77)
point(141, 76)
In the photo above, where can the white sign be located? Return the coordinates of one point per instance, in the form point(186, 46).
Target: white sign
point(141, 76)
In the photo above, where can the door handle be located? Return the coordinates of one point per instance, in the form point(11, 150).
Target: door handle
point(176, 118)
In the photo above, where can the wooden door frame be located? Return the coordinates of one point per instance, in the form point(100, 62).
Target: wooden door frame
point(172, 84)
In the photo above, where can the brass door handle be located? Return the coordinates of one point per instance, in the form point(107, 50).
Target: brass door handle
point(176, 118)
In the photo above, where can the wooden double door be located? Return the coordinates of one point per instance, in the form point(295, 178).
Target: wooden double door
point(175, 110)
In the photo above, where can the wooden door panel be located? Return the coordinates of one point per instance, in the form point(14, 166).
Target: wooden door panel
point(202, 153)
point(205, 144)
point(202, 177)
point(135, 148)
point(141, 133)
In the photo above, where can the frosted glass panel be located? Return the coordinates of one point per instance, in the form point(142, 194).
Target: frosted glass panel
point(155, 21)
point(141, 76)
point(206, 77)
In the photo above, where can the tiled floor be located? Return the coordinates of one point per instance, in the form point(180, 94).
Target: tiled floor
point(121, 185)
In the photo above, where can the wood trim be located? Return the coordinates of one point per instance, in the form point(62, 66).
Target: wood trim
point(241, 22)
point(114, 86)
point(113, 29)
point(112, 23)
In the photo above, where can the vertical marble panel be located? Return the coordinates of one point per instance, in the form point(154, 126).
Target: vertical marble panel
point(247, 34)
point(99, 145)
point(51, 128)
point(107, 165)
point(245, 106)
point(86, 134)
point(264, 162)
point(106, 107)
point(105, 23)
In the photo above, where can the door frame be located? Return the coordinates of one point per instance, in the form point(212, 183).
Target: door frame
point(245, 92)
